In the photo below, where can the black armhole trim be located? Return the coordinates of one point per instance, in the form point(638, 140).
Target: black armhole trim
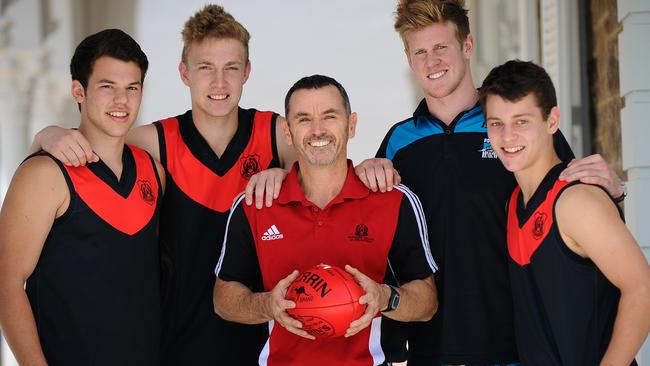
point(565, 249)
point(275, 162)
point(155, 172)
point(161, 144)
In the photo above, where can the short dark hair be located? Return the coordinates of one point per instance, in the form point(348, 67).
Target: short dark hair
point(317, 82)
point(109, 42)
point(515, 79)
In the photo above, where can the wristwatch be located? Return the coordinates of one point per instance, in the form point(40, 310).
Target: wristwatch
point(620, 198)
point(393, 300)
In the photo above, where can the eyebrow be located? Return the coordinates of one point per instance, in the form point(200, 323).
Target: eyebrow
point(515, 116)
point(425, 48)
point(229, 63)
point(106, 81)
point(302, 114)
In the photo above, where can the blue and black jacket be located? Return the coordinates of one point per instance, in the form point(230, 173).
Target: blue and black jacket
point(464, 189)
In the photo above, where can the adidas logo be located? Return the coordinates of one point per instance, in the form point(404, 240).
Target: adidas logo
point(272, 234)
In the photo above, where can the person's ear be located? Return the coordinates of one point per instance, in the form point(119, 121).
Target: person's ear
point(287, 132)
point(183, 71)
point(468, 46)
point(247, 70)
point(553, 120)
point(78, 92)
point(352, 125)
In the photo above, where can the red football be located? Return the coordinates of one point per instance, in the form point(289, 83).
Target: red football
point(327, 300)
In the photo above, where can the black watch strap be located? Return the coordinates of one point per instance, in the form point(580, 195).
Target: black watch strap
point(621, 198)
point(393, 300)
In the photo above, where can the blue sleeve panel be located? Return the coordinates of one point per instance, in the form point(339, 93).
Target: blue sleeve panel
point(419, 127)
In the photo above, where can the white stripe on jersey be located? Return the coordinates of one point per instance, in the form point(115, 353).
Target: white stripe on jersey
point(422, 223)
point(225, 235)
point(264, 355)
point(374, 342)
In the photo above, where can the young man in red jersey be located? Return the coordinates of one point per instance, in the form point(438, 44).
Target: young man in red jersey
point(84, 239)
point(210, 152)
point(314, 217)
point(580, 283)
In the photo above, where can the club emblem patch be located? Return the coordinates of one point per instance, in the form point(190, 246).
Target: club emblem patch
point(487, 152)
point(146, 192)
point(538, 227)
point(250, 165)
point(361, 234)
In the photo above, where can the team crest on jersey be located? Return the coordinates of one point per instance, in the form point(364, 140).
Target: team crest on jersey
point(146, 192)
point(538, 227)
point(487, 152)
point(361, 234)
point(250, 165)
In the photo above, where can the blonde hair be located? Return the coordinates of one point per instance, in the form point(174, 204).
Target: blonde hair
point(213, 22)
point(412, 15)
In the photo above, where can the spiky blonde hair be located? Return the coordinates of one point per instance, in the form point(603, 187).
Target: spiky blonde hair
point(412, 15)
point(213, 22)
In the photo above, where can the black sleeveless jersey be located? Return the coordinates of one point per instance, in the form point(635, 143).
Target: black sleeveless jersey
point(464, 189)
point(95, 289)
point(564, 306)
point(200, 190)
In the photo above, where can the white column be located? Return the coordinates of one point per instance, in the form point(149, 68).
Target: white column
point(634, 52)
point(502, 30)
point(560, 56)
point(52, 102)
point(556, 52)
point(10, 132)
point(30, 88)
point(6, 358)
point(18, 72)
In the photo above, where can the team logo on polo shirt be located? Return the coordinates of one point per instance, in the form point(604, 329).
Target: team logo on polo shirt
point(361, 234)
point(146, 192)
point(272, 234)
point(250, 165)
point(487, 152)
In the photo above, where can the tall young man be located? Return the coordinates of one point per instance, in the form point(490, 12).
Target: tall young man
point(319, 206)
point(84, 238)
point(209, 153)
point(443, 153)
point(580, 283)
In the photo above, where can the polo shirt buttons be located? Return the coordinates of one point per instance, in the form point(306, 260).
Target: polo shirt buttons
point(315, 209)
point(320, 223)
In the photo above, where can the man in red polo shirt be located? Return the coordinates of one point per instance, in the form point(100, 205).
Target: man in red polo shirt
point(313, 221)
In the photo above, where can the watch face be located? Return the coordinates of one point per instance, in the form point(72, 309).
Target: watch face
point(393, 301)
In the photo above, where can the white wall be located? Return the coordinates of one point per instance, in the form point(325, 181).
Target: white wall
point(635, 129)
point(352, 41)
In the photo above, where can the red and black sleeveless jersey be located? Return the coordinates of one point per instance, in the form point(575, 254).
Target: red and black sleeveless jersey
point(95, 291)
point(564, 306)
point(464, 189)
point(200, 190)
point(373, 232)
